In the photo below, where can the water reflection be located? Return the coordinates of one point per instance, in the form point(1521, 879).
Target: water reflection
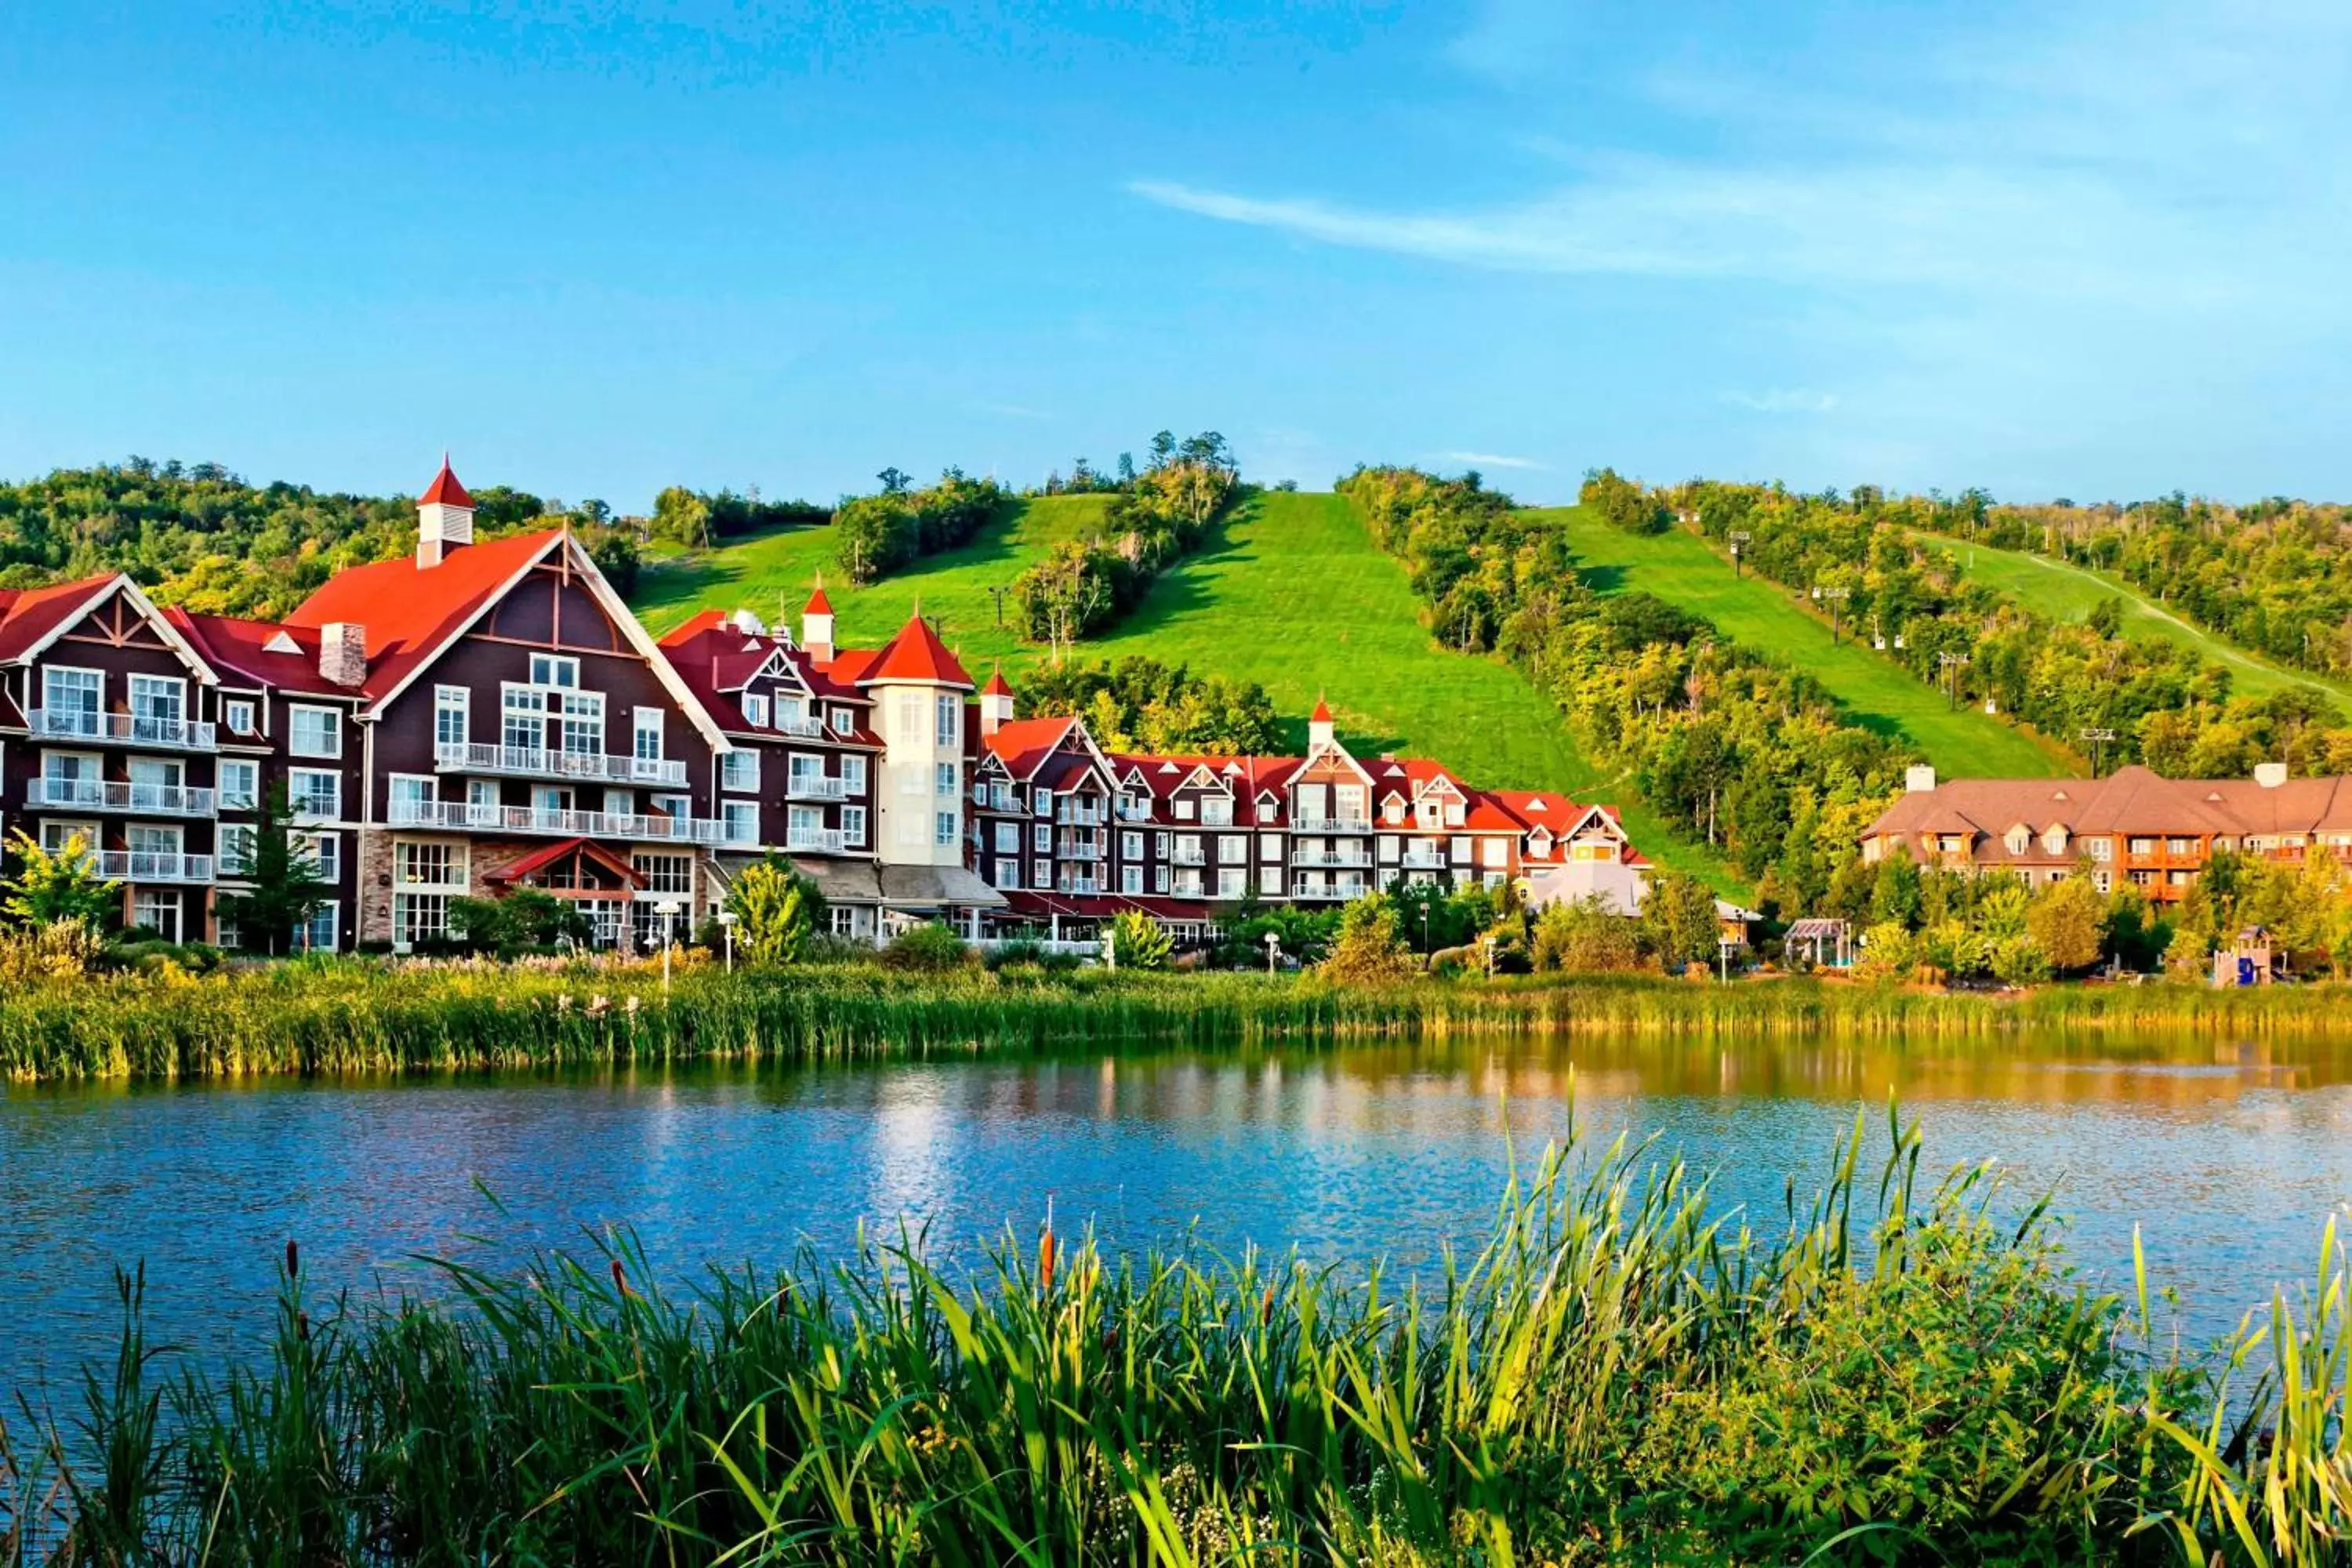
point(2232, 1156)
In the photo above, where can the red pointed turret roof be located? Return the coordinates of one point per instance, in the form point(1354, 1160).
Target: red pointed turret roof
point(996, 687)
point(917, 654)
point(445, 490)
point(1322, 714)
point(818, 604)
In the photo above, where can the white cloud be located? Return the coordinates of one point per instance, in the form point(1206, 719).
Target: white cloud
point(1784, 400)
point(1490, 460)
point(1010, 411)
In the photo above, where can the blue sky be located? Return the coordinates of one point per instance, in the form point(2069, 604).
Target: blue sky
point(595, 246)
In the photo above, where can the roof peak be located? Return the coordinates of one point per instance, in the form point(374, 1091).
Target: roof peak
point(818, 604)
point(917, 654)
point(445, 490)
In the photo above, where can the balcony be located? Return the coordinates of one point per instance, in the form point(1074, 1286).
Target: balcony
point(1194, 856)
point(1315, 888)
point(1418, 859)
point(1080, 847)
point(1331, 825)
point(815, 786)
point(1081, 885)
point(1134, 811)
point(1357, 858)
point(459, 815)
point(1078, 814)
point(111, 795)
point(146, 866)
point(531, 762)
point(809, 728)
point(122, 729)
point(815, 840)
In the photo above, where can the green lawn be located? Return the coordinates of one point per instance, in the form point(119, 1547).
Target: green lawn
point(1294, 596)
point(2065, 591)
point(1683, 569)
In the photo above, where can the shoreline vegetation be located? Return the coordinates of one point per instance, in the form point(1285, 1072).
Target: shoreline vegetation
point(1896, 1376)
point(358, 1016)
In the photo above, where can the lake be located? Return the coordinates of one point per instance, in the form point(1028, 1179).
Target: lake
point(2231, 1157)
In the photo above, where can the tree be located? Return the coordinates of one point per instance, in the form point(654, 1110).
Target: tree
point(680, 514)
point(60, 885)
point(1678, 921)
point(778, 913)
point(287, 887)
point(1368, 950)
point(1585, 937)
point(2068, 923)
point(895, 481)
point(524, 918)
point(1133, 939)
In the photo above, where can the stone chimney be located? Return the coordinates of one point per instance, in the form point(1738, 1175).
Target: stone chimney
point(342, 653)
point(2270, 775)
point(1919, 779)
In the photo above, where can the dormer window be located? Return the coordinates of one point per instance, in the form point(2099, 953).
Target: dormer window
point(2054, 839)
point(1395, 809)
point(2017, 839)
point(755, 711)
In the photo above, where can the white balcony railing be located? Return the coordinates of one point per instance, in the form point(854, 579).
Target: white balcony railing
point(1331, 825)
point(130, 729)
point(147, 866)
point(1331, 858)
point(461, 815)
point(1314, 888)
point(534, 761)
point(1071, 813)
point(1081, 885)
point(112, 795)
point(815, 786)
point(1190, 857)
point(815, 840)
point(1423, 859)
point(1080, 848)
point(812, 729)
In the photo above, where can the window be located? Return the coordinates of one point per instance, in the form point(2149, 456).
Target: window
point(548, 670)
point(1269, 881)
point(325, 851)
point(912, 783)
point(152, 838)
point(314, 792)
point(157, 908)
point(648, 730)
point(1350, 801)
point(853, 775)
point(742, 819)
point(2100, 849)
point(75, 693)
point(943, 828)
point(1008, 839)
point(157, 703)
point(1045, 803)
point(451, 705)
point(910, 717)
point(1160, 879)
point(1042, 874)
point(1184, 810)
point(740, 770)
point(2176, 847)
point(411, 793)
point(943, 782)
point(314, 733)
point(240, 716)
point(1232, 882)
point(1008, 873)
point(240, 785)
point(1159, 845)
point(1131, 878)
point(1131, 846)
point(755, 711)
point(583, 723)
point(1232, 849)
point(1217, 811)
point(1041, 839)
point(947, 712)
point(225, 932)
point(667, 873)
point(1269, 846)
point(482, 795)
point(419, 917)
point(845, 720)
point(321, 931)
point(523, 720)
point(620, 802)
point(852, 827)
point(1495, 853)
point(236, 840)
point(415, 865)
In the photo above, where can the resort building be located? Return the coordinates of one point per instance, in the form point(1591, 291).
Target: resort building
point(2130, 826)
point(485, 715)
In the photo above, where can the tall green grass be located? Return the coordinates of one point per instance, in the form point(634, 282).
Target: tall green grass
point(362, 1017)
point(1892, 1374)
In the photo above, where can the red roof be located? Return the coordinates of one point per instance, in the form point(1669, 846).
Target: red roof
point(996, 687)
point(818, 603)
point(445, 490)
point(28, 614)
point(241, 648)
point(916, 654)
point(1022, 744)
point(410, 610)
point(611, 860)
point(1322, 714)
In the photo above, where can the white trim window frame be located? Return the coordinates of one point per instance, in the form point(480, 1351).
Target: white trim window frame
point(738, 770)
point(453, 713)
point(87, 697)
point(853, 827)
point(306, 787)
point(645, 734)
point(245, 794)
point(237, 712)
point(327, 741)
point(755, 710)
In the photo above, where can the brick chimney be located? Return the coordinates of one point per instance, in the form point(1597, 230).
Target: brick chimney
point(1919, 779)
point(342, 653)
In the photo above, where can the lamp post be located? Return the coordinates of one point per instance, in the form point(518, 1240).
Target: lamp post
point(1836, 598)
point(1738, 537)
point(1272, 951)
point(726, 919)
point(998, 594)
point(669, 909)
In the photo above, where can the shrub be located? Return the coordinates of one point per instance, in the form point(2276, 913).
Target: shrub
point(1585, 938)
point(1134, 940)
point(932, 947)
point(1368, 950)
point(61, 950)
point(778, 912)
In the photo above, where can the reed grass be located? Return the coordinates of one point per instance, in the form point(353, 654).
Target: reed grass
point(356, 1016)
point(1892, 1374)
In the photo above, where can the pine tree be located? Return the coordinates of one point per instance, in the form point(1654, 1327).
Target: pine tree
point(287, 887)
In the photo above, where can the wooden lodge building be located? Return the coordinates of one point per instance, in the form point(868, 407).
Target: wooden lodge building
point(483, 716)
point(2132, 825)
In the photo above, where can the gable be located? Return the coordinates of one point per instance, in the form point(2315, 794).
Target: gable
point(119, 619)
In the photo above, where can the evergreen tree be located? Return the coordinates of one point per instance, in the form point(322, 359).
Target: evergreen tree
point(287, 887)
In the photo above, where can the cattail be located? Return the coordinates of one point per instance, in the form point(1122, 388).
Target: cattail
point(620, 1281)
point(293, 1259)
point(302, 1327)
point(1046, 1259)
point(1265, 1306)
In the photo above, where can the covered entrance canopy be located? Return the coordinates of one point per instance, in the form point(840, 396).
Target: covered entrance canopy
point(574, 868)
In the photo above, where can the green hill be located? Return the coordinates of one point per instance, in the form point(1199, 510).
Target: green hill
point(1294, 596)
point(2063, 591)
point(1680, 568)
